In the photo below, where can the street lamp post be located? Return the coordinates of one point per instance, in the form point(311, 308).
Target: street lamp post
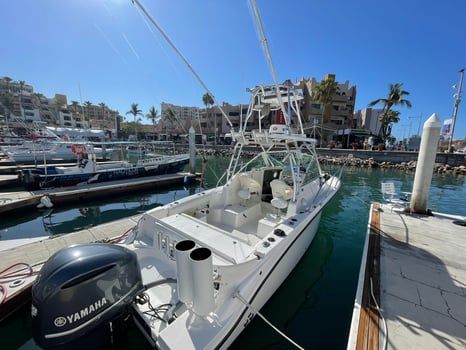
point(455, 108)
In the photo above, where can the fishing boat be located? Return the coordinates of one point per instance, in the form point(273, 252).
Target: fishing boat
point(194, 272)
point(201, 267)
point(87, 170)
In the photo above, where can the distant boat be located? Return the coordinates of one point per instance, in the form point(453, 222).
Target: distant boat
point(58, 151)
point(87, 171)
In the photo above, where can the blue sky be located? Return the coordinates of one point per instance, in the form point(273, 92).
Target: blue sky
point(105, 51)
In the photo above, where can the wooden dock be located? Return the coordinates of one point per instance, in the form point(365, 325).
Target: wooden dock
point(412, 286)
point(17, 201)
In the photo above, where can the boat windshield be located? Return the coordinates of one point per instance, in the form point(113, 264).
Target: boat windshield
point(299, 165)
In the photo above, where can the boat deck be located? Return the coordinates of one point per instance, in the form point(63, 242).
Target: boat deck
point(417, 268)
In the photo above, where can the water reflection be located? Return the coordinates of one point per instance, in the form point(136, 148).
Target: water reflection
point(66, 219)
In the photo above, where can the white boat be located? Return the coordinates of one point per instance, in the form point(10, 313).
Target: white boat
point(216, 257)
point(208, 262)
point(61, 150)
point(194, 272)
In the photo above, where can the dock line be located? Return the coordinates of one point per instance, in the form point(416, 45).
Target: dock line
point(267, 321)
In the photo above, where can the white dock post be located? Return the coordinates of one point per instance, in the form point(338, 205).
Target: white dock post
point(425, 164)
point(192, 151)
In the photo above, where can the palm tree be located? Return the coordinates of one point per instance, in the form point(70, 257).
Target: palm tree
point(395, 98)
point(75, 105)
point(135, 112)
point(387, 119)
point(7, 99)
point(169, 115)
point(323, 93)
point(20, 96)
point(104, 108)
point(88, 105)
point(153, 116)
point(209, 101)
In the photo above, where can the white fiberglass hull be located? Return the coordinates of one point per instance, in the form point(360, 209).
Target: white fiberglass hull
point(275, 272)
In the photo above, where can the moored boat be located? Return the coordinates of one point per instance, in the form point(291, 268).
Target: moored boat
point(88, 170)
point(59, 150)
point(194, 272)
point(210, 261)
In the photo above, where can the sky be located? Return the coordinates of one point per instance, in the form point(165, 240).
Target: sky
point(107, 51)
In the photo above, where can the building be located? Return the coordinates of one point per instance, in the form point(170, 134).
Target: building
point(176, 120)
point(21, 106)
point(341, 112)
point(368, 119)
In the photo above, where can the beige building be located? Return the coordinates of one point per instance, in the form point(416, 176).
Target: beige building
point(341, 115)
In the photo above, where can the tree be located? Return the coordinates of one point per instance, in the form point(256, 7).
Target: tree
point(169, 115)
point(387, 119)
point(7, 99)
point(75, 105)
point(135, 112)
point(104, 108)
point(209, 101)
point(20, 96)
point(395, 98)
point(88, 105)
point(323, 93)
point(153, 115)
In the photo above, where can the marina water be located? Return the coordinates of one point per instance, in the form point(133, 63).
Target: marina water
point(314, 305)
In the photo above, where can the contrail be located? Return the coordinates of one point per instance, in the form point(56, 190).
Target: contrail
point(130, 46)
point(109, 42)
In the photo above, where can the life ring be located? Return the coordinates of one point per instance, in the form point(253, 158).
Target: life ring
point(78, 149)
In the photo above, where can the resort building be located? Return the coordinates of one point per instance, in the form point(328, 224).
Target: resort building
point(21, 107)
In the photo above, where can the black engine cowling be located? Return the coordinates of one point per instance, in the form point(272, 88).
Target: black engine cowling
point(81, 293)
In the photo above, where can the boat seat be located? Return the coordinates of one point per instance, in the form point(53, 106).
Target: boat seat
point(248, 187)
point(281, 193)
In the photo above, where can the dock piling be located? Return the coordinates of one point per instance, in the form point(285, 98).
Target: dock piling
point(192, 151)
point(425, 165)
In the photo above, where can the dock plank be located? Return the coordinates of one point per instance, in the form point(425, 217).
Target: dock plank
point(368, 335)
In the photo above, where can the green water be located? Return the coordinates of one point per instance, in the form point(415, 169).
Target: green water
point(314, 305)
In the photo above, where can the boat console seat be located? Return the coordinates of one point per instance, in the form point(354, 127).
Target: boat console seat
point(281, 193)
point(248, 187)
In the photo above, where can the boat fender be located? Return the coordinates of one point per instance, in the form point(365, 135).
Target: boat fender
point(45, 202)
point(186, 180)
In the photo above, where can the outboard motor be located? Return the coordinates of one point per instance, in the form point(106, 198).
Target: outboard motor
point(30, 179)
point(82, 295)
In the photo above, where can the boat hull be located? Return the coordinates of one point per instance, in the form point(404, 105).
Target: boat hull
point(48, 177)
point(278, 270)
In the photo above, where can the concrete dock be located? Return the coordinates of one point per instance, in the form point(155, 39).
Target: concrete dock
point(414, 266)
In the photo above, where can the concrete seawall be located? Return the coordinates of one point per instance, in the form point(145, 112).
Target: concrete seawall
point(452, 159)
